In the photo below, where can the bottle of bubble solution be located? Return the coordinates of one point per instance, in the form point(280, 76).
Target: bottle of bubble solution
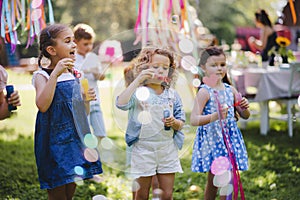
point(9, 91)
point(85, 86)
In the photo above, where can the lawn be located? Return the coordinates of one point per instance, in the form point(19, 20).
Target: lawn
point(274, 172)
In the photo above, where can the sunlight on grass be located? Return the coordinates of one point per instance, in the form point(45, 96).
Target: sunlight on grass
point(268, 179)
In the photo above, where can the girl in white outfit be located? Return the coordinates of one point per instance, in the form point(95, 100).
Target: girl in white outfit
point(154, 146)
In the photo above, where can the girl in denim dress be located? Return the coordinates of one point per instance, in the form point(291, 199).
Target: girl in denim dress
point(61, 122)
point(152, 135)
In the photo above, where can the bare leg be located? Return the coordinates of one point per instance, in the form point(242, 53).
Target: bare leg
point(154, 183)
point(58, 193)
point(143, 192)
point(64, 192)
point(70, 190)
point(210, 190)
point(166, 183)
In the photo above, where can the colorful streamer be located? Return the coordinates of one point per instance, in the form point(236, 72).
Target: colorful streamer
point(158, 16)
point(27, 14)
point(237, 183)
point(293, 11)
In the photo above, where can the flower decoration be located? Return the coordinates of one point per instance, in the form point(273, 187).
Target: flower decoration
point(282, 50)
point(283, 41)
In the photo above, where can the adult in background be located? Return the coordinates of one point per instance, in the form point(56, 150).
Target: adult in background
point(267, 38)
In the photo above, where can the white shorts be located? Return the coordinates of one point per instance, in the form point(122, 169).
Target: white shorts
point(149, 158)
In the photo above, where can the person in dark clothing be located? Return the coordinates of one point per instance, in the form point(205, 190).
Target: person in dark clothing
point(267, 38)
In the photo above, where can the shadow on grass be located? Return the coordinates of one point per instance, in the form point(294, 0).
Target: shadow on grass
point(273, 174)
point(18, 174)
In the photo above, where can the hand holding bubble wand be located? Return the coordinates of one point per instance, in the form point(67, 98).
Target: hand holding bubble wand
point(237, 183)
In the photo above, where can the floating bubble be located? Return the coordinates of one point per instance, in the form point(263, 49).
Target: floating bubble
point(144, 117)
point(106, 143)
point(157, 193)
point(107, 156)
point(36, 3)
point(186, 128)
point(79, 170)
point(222, 179)
point(91, 155)
point(135, 186)
point(220, 165)
point(32, 60)
point(78, 180)
point(97, 179)
point(175, 19)
point(142, 93)
point(194, 188)
point(226, 190)
point(273, 186)
point(187, 62)
point(90, 140)
point(99, 197)
point(36, 14)
point(194, 70)
point(128, 173)
point(186, 45)
point(196, 82)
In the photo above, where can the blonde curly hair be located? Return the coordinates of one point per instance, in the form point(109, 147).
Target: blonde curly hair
point(137, 65)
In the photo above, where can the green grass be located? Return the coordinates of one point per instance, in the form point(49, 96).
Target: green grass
point(274, 172)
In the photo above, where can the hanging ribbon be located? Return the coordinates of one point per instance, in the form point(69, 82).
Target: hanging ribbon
point(51, 15)
point(237, 183)
point(293, 11)
point(27, 14)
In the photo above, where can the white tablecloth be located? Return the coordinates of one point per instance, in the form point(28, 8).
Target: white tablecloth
point(271, 83)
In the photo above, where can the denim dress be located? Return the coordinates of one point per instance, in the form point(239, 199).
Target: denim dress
point(59, 134)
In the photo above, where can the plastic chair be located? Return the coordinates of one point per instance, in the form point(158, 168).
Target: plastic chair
point(292, 98)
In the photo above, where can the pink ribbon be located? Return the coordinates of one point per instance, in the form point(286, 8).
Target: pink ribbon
point(138, 20)
point(237, 183)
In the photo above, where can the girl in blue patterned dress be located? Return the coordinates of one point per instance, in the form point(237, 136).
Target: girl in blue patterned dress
point(154, 148)
point(61, 121)
point(209, 143)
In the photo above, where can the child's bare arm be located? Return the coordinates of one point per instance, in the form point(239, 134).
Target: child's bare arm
point(197, 119)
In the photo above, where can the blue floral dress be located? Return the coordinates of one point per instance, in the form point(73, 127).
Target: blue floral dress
point(59, 134)
point(209, 143)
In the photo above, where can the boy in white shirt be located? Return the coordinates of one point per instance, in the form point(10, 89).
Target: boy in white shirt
point(84, 38)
